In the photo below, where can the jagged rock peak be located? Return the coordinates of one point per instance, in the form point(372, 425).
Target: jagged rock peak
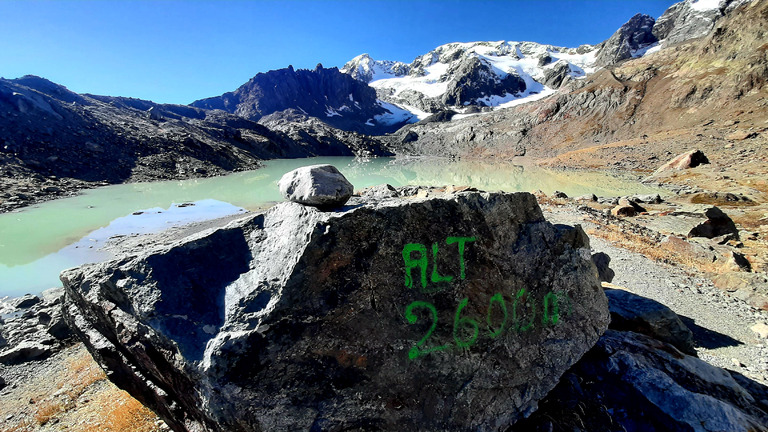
point(628, 41)
point(324, 93)
point(366, 69)
point(691, 19)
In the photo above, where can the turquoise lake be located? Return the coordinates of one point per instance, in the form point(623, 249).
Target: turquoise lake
point(38, 242)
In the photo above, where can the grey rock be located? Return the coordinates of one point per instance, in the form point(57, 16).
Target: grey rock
point(717, 224)
point(635, 34)
point(153, 113)
point(25, 351)
point(624, 210)
point(2, 383)
point(588, 197)
point(750, 287)
point(631, 382)
point(557, 75)
point(629, 202)
point(306, 320)
point(602, 263)
point(648, 199)
point(26, 301)
point(316, 185)
point(559, 194)
point(380, 192)
point(631, 312)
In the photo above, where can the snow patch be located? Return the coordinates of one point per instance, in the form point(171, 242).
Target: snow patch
point(394, 115)
point(704, 5)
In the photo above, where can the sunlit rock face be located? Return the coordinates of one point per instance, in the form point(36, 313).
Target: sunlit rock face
point(456, 312)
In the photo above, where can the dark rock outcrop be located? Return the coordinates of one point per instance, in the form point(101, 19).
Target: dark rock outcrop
point(717, 224)
point(632, 382)
point(452, 313)
point(557, 75)
point(635, 34)
point(327, 94)
point(602, 262)
point(473, 79)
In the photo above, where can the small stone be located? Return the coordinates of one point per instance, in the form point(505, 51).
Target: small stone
point(621, 210)
point(736, 362)
point(761, 329)
point(558, 194)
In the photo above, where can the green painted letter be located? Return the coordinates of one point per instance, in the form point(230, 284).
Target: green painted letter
point(461, 241)
point(435, 275)
point(411, 263)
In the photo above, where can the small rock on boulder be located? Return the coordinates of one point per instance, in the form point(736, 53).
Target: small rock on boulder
point(316, 185)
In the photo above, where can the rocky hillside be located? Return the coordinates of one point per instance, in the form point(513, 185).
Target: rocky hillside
point(633, 114)
point(54, 140)
point(327, 94)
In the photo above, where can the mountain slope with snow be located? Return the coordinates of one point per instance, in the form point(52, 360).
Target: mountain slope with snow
point(480, 74)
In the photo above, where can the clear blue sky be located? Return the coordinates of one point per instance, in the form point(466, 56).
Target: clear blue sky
point(180, 51)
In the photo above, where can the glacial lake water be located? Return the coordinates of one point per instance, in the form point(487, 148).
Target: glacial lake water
point(37, 243)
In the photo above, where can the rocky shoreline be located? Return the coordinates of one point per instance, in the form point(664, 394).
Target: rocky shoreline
point(723, 328)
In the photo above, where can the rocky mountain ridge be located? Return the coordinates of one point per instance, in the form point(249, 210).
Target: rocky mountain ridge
point(55, 141)
point(327, 94)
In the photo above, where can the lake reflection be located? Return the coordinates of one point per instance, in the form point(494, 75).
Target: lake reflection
point(38, 242)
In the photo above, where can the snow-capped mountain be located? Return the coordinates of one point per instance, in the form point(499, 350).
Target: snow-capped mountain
point(477, 74)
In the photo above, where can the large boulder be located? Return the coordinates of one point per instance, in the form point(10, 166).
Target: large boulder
point(717, 224)
point(689, 159)
point(451, 313)
point(316, 185)
point(631, 312)
point(632, 382)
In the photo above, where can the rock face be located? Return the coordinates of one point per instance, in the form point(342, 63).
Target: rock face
point(451, 313)
point(691, 19)
point(327, 94)
point(35, 328)
point(631, 382)
point(474, 79)
point(316, 185)
point(635, 34)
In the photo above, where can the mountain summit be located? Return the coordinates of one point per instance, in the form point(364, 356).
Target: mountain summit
point(325, 93)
